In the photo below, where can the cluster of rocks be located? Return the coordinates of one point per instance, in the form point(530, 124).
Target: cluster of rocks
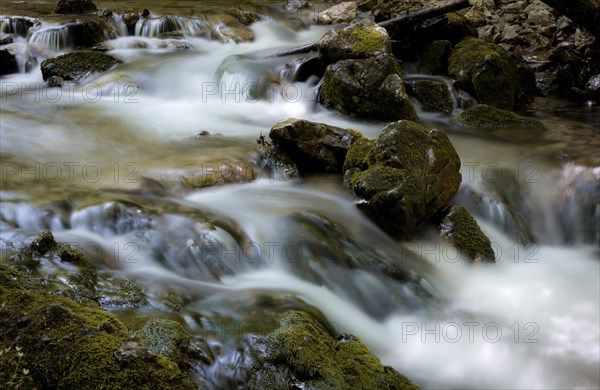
point(55, 333)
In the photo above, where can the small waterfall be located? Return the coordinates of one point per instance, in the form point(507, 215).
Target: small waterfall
point(153, 27)
point(120, 25)
point(52, 37)
point(17, 25)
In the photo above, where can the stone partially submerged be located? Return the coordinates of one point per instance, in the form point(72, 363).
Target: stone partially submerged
point(363, 78)
point(403, 178)
point(483, 116)
point(493, 75)
point(460, 228)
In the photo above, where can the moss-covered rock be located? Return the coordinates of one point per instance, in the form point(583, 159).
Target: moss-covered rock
point(493, 75)
point(411, 174)
point(434, 58)
point(309, 356)
point(360, 40)
point(368, 88)
point(77, 65)
point(433, 95)
point(483, 116)
point(462, 230)
point(314, 147)
point(166, 337)
point(363, 78)
point(70, 346)
point(339, 13)
point(74, 7)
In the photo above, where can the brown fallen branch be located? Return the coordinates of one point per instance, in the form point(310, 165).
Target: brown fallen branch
point(404, 20)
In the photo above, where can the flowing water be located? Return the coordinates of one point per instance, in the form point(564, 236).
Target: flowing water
point(98, 163)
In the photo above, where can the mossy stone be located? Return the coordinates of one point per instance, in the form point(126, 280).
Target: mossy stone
point(483, 116)
point(70, 346)
point(77, 65)
point(434, 58)
point(493, 75)
point(360, 40)
point(461, 229)
point(320, 360)
point(433, 95)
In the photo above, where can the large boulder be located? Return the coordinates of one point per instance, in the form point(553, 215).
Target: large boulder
point(302, 353)
point(74, 7)
point(406, 176)
point(483, 116)
point(492, 74)
point(339, 13)
point(313, 147)
point(363, 77)
point(74, 66)
point(461, 229)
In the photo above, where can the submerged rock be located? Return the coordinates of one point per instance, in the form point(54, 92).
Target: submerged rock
point(314, 147)
point(75, 66)
point(74, 7)
point(405, 177)
point(482, 116)
point(462, 230)
point(433, 95)
point(220, 174)
point(302, 353)
point(492, 74)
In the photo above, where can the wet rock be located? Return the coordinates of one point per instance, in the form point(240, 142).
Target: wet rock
point(302, 353)
point(277, 163)
point(75, 66)
point(17, 25)
point(462, 230)
point(234, 34)
point(74, 7)
point(55, 81)
point(433, 95)
point(411, 173)
point(360, 40)
point(88, 31)
point(483, 116)
point(339, 13)
point(8, 62)
point(6, 39)
point(119, 293)
point(314, 147)
point(493, 75)
point(434, 59)
point(369, 88)
point(68, 345)
point(166, 337)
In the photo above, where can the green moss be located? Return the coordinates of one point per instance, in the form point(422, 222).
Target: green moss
point(432, 94)
point(321, 361)
point(462, 230)
point(73, 66)
point(358, 153)
point(492, 74)
point(166, 337)
point(367, 40)
point(70, 346)
point(485, 116)
point(377, 178)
